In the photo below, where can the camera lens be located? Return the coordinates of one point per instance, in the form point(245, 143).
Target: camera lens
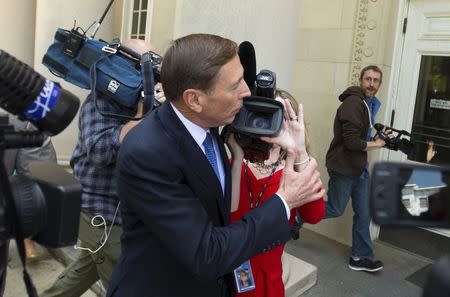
point(259, 120)
point(262, 123)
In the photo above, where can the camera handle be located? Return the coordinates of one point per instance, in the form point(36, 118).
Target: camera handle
point(11, 212)
point(97, 24)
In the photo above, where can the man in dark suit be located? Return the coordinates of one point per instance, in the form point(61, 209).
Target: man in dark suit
point(174, 183)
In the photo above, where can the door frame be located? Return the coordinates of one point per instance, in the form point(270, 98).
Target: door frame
point(401, 65)
point(392, 93)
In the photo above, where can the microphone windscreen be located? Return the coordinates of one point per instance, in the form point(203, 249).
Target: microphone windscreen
point(378, 126)
point(26, 93)
point(248, 61)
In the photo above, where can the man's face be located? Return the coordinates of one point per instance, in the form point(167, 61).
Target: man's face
point(370, 82)
point(226, 98)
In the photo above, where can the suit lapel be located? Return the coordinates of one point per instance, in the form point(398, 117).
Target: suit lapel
point(196, 161)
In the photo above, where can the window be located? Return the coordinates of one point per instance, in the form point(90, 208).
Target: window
point(136, 19)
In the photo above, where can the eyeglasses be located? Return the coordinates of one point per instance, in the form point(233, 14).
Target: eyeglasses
point(370, 79)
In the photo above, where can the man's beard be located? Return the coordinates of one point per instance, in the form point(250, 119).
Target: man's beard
point(370, 92)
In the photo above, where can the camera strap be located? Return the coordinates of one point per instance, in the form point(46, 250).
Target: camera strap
point(148, 83)
point(11, 212)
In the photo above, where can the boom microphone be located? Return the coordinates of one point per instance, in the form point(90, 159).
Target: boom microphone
point(248, 61)
point(32, 97)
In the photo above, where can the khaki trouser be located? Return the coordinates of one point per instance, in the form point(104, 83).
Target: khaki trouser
point(88, 268)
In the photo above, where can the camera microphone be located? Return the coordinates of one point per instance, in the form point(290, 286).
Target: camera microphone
point(32, 97)
point(395, 143)
point(247, 56)
point(378, 126)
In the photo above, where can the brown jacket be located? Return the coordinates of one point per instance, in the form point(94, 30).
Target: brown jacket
point(346, 154)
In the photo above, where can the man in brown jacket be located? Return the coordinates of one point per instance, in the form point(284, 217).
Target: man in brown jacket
point(346, 162)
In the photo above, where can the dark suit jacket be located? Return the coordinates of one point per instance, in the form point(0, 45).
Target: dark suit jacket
point(177, 240)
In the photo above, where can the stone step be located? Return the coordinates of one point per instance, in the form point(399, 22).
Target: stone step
point(298, 275)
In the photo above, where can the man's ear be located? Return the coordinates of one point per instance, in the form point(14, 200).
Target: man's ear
point(191, 99)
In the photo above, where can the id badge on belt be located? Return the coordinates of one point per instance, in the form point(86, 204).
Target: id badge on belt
point(243, 277)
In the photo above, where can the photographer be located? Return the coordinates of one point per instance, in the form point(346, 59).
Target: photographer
point(176, 208)
point(93, 162)
point(260, 180)
point(347, 165)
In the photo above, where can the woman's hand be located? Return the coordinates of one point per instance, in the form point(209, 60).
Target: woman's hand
point(292, 133)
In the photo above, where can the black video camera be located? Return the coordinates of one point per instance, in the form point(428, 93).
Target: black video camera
point(32, 97)
point(397, 143)
point(46, 203)
point(414, 195)
point(406, 194)
point(260, 115)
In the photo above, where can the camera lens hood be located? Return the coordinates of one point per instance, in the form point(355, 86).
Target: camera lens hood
point(259, 116)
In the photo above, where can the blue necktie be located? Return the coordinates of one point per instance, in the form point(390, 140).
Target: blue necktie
point(210, 153)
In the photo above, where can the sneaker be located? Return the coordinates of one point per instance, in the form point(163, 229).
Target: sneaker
point(365, 265)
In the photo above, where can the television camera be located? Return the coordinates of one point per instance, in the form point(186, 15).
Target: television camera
point(45, 204)
point(414, 195)
point(109, 69)
point(397, 143)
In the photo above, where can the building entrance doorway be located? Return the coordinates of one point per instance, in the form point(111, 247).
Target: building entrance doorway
point(422, 106)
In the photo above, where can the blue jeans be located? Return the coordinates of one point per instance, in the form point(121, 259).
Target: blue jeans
point(340, 189)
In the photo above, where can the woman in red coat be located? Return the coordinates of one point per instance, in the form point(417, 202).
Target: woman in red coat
point(255, 182)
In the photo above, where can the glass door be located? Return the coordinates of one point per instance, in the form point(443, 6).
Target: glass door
point(430, 130)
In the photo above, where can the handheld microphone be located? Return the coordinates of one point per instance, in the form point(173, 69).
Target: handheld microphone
point(32, 97)
point(248, 61)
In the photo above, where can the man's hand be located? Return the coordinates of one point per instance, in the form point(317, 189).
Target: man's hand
point(159, 93)
point(377, 142)
point(299, 188)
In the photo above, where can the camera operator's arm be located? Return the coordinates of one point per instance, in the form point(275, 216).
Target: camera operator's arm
point(159, 96)
point(350, 119)
point(236, 170)
point(99, 134)
point(374, 144)
point(131, 124)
